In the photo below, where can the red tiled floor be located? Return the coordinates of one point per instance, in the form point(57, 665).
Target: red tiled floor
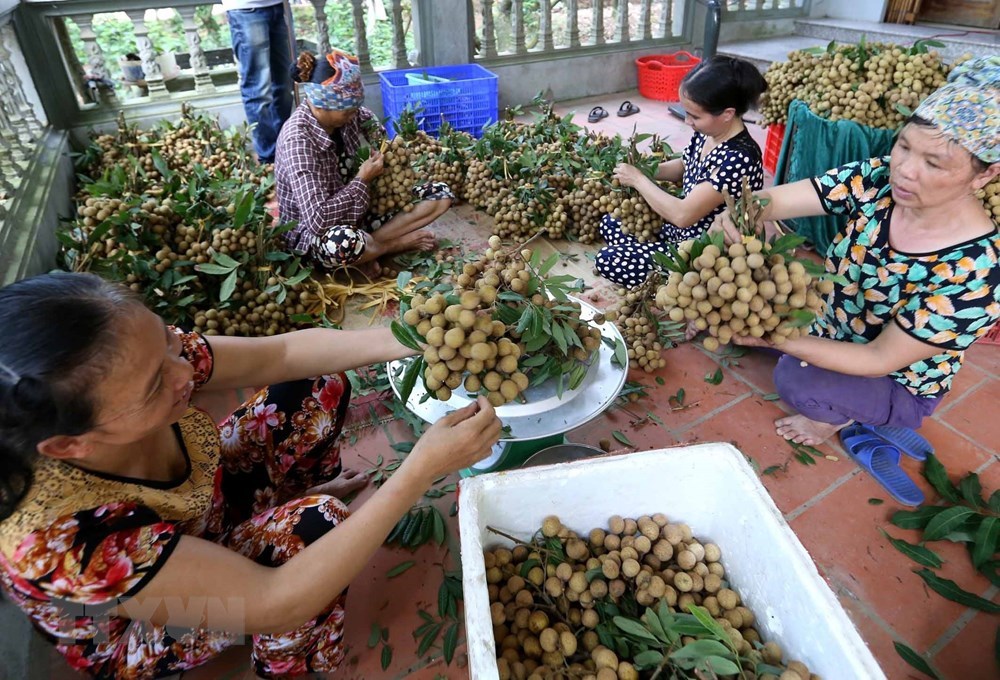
point(956, 451)
point(841, 533)
point(986, 357)
point(755, 368)
point(686, 369)
point(748, 425)
point(972, 415)
point(879, 639)
point(968, 655)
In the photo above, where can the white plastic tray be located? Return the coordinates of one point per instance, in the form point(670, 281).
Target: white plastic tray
point(710, 487)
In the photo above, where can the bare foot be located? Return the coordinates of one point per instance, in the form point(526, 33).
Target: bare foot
point(802, 430)
point(370, 270)
point(418, 240)
point(346, 483)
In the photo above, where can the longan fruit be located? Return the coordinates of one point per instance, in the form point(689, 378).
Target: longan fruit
point(576, 549)
point(538, 621)
point(610, 569)
point(435, 337)
point(798, 666)
point(791, 675)
point(590, 619)
point(531, 647)
point(411, 317)
point(598, 588)
point(567, 643)
point(616, 588)
point(672, 533)
point(497, 613)
point(630, 568)
point(492, 381)
point(443, 393)
point(521, 380)
point(683, 582)
point(642, 544)
point(712, 583)
point(616, 524)
point(454, 338)
point(612, 542)
point(548, 640)
point(772, 653)
point(606, 674)
point(551, 526)
point(728, 599)
point(597, 537)
point(537, 576)
point(663, 550)
point(470, 300)
point(578, 582)
point(451, 313)
point(604, 658)
point(627, 671)
point(698, 550)
point(508, 364)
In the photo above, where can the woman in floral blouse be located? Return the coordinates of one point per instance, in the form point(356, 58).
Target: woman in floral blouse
point(920, 257)
point(142, 539)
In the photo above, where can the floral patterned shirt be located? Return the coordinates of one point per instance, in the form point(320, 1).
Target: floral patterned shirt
point(947, 299)
point(80, 541)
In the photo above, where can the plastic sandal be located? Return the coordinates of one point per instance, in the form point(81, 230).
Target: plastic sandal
point(627, 109)
point(905, 439)
point(597, 113)
point(881, 460)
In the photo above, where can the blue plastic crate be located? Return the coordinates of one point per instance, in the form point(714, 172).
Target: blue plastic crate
point(466, 97)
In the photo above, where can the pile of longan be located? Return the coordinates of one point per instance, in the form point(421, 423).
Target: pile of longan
point(544, 621)
point(851, 83)
point(639, 325)
point(746, 291)
point(468, 346)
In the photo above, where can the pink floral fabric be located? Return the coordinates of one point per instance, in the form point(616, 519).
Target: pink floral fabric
point(69, 574)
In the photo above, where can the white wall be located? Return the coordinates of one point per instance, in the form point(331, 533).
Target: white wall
point(857, 10)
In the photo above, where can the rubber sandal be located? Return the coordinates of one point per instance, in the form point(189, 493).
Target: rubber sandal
point(905, 439)
point(881, 460)
point(627, 109)
point(597, 113)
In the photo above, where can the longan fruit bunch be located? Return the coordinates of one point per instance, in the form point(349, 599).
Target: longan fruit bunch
point(467, 345)
point(744, 292)
point(639, 325)
point(392, 191)
point(543, 604)
point(582, 204)
point(637, 217)
point(864, 84)
point(990, 196)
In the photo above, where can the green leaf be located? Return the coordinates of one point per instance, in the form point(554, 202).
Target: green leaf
point(647, 660)
point(660, 380)
point(548, 264)
point(450, 642)
point(705, 619)
point(386, 656)
point(916, 519)
point(995, 501)
point(875, 501)
point(635, 629)
point(917, 553)
point(621, 354)
point(559, 337)
point(399, 569)
point(972, 490)
point(404, 337)
point(986, 541)
point(429, 638)
point(699, 649)
point(622, 438)
point(946, 522)
point(773, 396)
point(228, 286)
point(243, 210)
point(721, 666)
point(938, 477)
point(950, 590)
point(375, 636)
point(413, 370)
point(528, 566)
point(772, 470)
point(714, 378)
point(214, 269)
point(915, 660)
point(440, 534)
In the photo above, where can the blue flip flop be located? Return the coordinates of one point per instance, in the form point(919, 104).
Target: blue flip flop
point(905, 439)
point(881, 460)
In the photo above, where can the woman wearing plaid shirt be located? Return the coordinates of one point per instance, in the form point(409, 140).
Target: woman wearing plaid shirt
point(322, 188)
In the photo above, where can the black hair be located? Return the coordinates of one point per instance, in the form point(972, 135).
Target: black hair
point(722, 83)
point(52, 328)
point(978, 164)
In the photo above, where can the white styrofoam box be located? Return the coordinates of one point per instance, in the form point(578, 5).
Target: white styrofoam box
point(710, 487)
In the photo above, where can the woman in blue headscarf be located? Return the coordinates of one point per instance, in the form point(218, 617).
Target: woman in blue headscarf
point(323, 189)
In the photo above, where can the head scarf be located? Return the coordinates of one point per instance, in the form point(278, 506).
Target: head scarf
point(336, 83)
point(967, 108)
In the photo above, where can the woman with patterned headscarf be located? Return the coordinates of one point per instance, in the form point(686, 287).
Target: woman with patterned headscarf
point(920, 259)
point(323, 187)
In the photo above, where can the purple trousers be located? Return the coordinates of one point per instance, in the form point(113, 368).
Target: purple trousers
point(836, 398)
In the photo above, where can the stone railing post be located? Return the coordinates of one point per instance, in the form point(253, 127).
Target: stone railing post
point(489, 31)
point(645, 23)
point(322, 27)
point(598, 19)
point(202, 77)
point(361, 36)
point(398, 36)
point(573, 10)
point(622, 33)
point(545, 26)
point(96, 65)
point(667, 19)
point(517, 23)
point(150, 68)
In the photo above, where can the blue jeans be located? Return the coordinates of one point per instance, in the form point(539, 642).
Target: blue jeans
point(260, 43)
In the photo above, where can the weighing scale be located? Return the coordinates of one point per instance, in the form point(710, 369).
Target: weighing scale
point(544, 418)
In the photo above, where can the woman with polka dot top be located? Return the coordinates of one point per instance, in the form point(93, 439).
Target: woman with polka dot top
point(715, 95)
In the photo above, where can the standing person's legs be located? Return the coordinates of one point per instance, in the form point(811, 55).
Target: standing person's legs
point(281, 64)
point(827, 401)
point(250, 32)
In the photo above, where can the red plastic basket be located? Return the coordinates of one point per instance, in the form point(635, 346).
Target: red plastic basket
point(660, 75)
point(772, 147)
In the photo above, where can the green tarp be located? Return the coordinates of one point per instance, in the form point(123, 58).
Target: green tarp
point(813, 145)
